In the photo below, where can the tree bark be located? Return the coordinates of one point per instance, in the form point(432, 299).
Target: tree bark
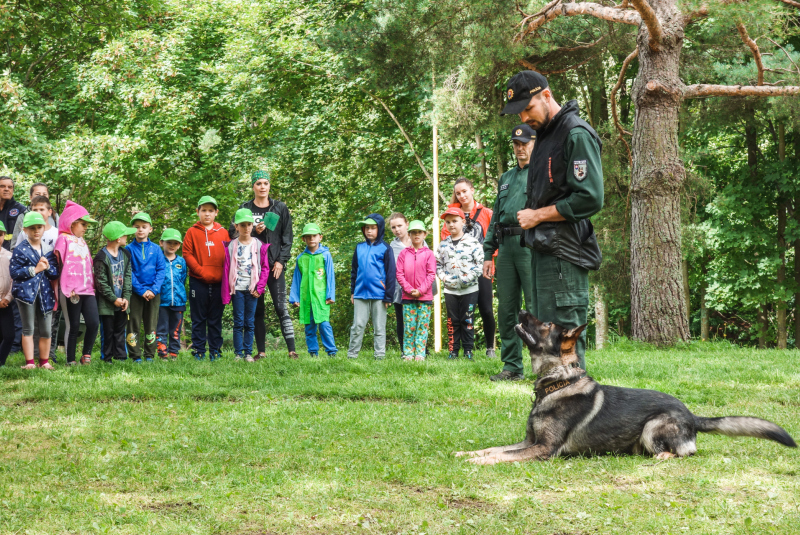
point(601, 318)
point(763, 326)
point(687, 296)
point(658, 306)
point(796, 214)
point(597, 93)
point(704, 327)
point(780, 312)
point(482, 165)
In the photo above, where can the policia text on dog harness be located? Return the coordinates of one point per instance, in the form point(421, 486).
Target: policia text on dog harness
point(544, 391)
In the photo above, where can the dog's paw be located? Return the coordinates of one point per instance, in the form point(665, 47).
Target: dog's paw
point(664, 455)
point(486, 461)
point(466, 453)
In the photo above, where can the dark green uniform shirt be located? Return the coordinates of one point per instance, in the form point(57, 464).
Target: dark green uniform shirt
point(584, 177)
point(511, 199)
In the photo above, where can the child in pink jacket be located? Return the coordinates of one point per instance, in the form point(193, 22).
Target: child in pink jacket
point(6, 312)
point(416, 273)
point(244, 278)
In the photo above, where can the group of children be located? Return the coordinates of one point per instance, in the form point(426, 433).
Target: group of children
point(140, 288)
point(375, 270)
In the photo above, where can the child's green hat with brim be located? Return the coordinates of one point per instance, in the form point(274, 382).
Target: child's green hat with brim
point(368, 221)
point(207, 199)
point(31, 219)
point(142, 216)
point(417, 225)
point(170, 234)
point(2, 227)
point(114, 230)
point(311, 229)
point(244, 215)
point(87, 219)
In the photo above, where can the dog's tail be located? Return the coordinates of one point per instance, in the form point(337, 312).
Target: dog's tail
point(744, 426)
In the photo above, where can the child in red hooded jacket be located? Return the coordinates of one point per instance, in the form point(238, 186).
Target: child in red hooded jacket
point(204, 253)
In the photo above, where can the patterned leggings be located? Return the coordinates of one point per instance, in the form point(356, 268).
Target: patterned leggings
point(416, 320)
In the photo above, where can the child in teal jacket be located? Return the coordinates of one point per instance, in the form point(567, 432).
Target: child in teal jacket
point(314, 291)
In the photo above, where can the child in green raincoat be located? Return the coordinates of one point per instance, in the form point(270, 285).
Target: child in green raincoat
point(314, 290)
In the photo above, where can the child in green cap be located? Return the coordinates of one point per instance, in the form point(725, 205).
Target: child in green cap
point(32, 271)
point(112, 279)
point(173, 297)
point(6, 312)
point(148, 270)
point(76, 285)
point(314, 291)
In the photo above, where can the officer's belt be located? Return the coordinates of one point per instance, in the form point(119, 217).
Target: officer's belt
point(509, 231)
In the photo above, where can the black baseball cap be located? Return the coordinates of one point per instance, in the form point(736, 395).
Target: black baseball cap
point(519, 90)
point(523, 132)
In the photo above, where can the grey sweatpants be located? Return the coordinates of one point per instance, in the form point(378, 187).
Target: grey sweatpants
point(362, 310)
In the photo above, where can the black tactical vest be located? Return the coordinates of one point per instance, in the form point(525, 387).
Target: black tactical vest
point(547, 184)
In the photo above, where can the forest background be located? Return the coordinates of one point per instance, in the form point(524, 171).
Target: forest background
point(129, 105)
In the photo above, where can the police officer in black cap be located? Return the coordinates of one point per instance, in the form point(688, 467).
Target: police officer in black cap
point(513, 269)
point(565, 188)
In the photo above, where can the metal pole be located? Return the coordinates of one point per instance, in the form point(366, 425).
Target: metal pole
point(437, 301)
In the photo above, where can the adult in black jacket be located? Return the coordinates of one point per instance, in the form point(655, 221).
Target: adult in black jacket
point(10, 211)
point(273, 225)
point(565, 188)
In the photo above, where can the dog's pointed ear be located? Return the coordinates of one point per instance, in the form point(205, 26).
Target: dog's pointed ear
point(574, 333)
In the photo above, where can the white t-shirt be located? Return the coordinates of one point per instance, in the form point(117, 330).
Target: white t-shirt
point(244, 266)
point(48, 239)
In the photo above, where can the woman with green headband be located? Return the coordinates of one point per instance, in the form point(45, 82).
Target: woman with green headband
point(273, 225)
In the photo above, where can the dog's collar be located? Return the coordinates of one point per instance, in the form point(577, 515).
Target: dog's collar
point(556, 386)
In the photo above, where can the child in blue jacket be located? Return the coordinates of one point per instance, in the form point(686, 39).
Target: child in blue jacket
point(372, 280)
point(32, 270)
point(147, 277)
point(173, 297)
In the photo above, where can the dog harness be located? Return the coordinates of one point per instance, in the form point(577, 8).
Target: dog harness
point(541, 393)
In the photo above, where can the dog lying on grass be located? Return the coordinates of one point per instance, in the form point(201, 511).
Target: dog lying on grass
point(575, 415)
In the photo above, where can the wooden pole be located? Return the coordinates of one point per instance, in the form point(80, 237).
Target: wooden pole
point(437, 301)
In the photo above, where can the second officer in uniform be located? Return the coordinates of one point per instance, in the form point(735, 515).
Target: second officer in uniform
point(513, 270)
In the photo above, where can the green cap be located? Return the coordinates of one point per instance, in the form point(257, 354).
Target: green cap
point(142, 216)
point(32, 218)
point(207, 199)
point(310, 229)
point(2, 227)
point(243, 215)
point(259, 175)
point(88, 219)
point(170, 234)
point(417, 225)
point(114, 230)
point(368, 221)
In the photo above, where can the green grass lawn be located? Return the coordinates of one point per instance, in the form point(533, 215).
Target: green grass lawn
point(339, 446)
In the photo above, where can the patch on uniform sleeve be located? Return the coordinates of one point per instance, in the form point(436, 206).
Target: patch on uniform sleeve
point(503, 187)
point(580, 169)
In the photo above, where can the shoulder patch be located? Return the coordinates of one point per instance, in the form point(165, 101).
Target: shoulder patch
point(13, 212)
point(580, 169)
point(503, 187)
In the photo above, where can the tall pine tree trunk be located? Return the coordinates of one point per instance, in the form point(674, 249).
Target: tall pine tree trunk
point(780, 312)
point(601, 318)
point(657, 300)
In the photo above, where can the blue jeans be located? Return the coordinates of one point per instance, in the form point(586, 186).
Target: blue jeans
point(326, 331)
point(244, 315)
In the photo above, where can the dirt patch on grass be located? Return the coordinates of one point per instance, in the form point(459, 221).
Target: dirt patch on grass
point(467, 503)
point(171, 507)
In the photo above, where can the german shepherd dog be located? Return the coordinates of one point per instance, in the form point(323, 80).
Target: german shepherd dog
point(575, 415)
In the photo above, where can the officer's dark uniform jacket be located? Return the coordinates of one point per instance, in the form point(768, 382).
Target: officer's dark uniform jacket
point(566, 171)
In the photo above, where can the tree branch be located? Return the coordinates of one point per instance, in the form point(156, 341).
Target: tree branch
point(791, 3)
point(651, 20)
point(708, 90)
point(613, 99)
point(408, 139)
point(753, 48)
point(599, 11)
